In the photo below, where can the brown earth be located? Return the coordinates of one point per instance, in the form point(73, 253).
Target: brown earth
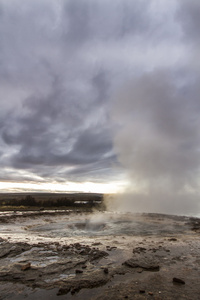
point(152, 266)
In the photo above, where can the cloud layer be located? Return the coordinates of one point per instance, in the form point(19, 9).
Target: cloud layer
point(68, 67)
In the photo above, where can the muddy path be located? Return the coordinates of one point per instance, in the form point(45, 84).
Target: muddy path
point(99, 256)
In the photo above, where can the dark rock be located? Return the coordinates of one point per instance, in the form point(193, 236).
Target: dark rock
point(139, 250)
point(83, 252)
point(98, 254)
point(121, 273)
point(84, 267)
point(172, 239)
point(73, 291)
point(63, 291)
point(4, 252)
point(178, 280)
point(139, 270)
point(79, 271)
point(142, 291)
point(88, 283)
point(145, 264)
point(26, 267)
point(18, 276)
point(77, 246)
point(153, 249)
point(113, 248)
point(31, 279)
point(105, 270)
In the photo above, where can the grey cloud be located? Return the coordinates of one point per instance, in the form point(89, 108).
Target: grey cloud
point(188, 14)
point(86, 21)
point(101, 84)
point(93, 143)
point(99, 171)
point(89, 147)
point(135, 18)
point(76, 21)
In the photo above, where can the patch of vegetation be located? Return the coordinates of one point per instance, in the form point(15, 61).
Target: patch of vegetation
point(51, 200)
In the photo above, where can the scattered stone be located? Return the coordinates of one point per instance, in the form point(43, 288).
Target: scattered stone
point(26, 267)
point(108, 248)
point(142, 291)
point(139, 250)
point(153, 249)
point(77, 246)
point(105, 270)
point(31, 279)
point(178, 280)
point(121, 273)
point(83, 252)
point(139, 270)
point(150, 293)
point(98, 254)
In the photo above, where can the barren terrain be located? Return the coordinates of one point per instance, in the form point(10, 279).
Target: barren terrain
point(74, 255)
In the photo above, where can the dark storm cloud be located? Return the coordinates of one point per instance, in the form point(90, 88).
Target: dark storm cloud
point(55, 133)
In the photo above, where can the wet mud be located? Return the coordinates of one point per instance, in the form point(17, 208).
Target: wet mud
point(99, 256)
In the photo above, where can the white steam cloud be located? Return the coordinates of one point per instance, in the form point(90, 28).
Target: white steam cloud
point(158, 143)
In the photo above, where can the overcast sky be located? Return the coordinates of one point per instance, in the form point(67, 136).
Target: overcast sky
point(99, 91)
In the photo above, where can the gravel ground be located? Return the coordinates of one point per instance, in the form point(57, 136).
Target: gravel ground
point(99, 256)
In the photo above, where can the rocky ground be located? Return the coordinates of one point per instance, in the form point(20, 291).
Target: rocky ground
point(161, 264)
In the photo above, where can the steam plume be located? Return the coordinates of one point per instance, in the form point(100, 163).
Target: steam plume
point(158, 143)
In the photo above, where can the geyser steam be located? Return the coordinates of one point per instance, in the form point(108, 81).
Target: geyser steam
point(158, 143)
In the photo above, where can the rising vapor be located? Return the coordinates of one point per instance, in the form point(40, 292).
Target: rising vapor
point(158, 143)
